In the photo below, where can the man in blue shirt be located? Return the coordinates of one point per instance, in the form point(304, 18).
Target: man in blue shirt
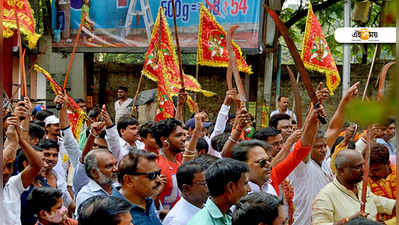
point(227, 181)
point(100, 167)
point(140, 179)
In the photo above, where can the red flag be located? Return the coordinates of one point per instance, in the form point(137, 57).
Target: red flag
point(165, 107)
point(25, 17)
point(212, 44)
point(316, 54)
point(161, 41)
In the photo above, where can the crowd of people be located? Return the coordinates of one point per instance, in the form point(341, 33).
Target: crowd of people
point(195, 172)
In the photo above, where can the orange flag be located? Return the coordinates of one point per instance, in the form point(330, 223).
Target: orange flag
point(165, 107)
point(25, 17)
point(212, 44)
point(316, 54)
point(161, 41)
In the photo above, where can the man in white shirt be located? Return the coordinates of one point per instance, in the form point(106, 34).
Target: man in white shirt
point(192, 184)
point(308, 178)
point(282, 107)
point(123, 105)
point(128, 129)
point(10, 197)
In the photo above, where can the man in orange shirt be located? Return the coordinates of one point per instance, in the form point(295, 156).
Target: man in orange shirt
point(170, 137)
point(382, 179)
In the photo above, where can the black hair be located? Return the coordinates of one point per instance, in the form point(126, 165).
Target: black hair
point(102, 134)
point(222, 172)
point(240, 150)
point(146, 128)
point(36, 131)
point(202, 144)
point(185, 173)
point(255, 208)
point(129, 162)
point(164, 129)
point(43, 114)
point(48, 143)
point(43, 198)
point(123, 88)
point(273, 122)
point(79, 100)
point(379, 154)
point(361, 221)
point(38, 122)
point(281, 96)
point(218, 141)
point(93, 113)
point(102, 210)
point(21, 158)
point(206, 160)
point(124, 122)
point(266, 133)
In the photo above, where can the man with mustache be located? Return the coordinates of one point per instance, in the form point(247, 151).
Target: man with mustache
point(139, 176)
point(101, 169)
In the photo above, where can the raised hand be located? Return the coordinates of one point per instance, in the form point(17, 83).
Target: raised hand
point(106, 117)
point(322, 93)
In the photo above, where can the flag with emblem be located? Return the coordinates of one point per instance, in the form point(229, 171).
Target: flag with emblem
point(165, 106)
point(316, 55)
point(212, 44)
point(25, 18)
point(161, 42)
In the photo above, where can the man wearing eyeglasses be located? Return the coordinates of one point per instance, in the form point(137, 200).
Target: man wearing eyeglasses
point(139, 176)
point(253, 153)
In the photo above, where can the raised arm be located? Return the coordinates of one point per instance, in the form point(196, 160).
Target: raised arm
point(241, 120)
point(301, 149)
point(112, 134)
point(95, 130)
point(337, 121)
point(191, 152)
point(11, 145)
point(70, 143)
point(35, 160)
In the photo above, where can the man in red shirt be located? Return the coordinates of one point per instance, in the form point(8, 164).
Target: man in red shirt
point(170, 136)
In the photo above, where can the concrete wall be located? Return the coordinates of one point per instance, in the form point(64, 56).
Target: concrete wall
point(114, 75)
point(56, 64)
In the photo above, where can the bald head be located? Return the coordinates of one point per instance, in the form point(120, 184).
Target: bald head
point(345, 158)
point(349, 164)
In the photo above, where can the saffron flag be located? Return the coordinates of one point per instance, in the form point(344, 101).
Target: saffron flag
point(161, 41)
point(76, 117)
point(212, 44)
point(25, 17)
point(165, 107)
point(316, 54)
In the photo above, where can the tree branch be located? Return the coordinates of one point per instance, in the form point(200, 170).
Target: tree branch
point(303, 12)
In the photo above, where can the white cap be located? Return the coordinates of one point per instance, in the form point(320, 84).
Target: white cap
point(51, 120)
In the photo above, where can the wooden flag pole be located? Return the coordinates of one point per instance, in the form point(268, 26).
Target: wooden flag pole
point(21, 57)
point(178, 45)
point(73, 52)
point(135, 97)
